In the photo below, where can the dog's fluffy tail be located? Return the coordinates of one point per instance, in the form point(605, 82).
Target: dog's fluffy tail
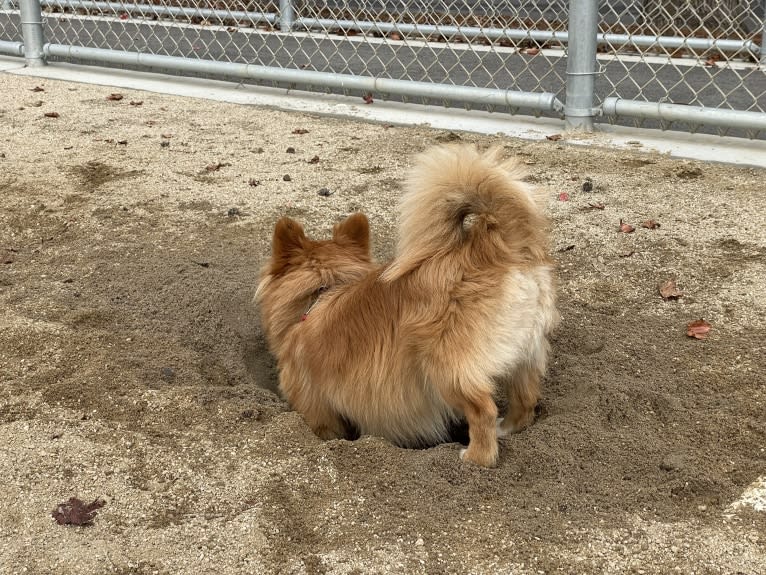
point(458, 197)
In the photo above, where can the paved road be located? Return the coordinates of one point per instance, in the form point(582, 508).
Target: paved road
point(706, 86)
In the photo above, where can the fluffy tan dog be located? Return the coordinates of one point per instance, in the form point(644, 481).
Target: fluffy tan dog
point(405, 349)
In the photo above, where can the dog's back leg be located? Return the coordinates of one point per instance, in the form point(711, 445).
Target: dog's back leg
point(475, 401)
point(523, 392)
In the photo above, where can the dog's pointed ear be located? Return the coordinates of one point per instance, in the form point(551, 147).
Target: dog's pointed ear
point(288, 238)
point(356, 229)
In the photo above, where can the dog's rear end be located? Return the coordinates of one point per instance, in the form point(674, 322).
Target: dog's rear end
point(476, 237)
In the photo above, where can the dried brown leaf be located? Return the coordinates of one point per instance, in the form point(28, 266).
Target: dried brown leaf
point(553, 137)
point(76, 512)
point(51, 114)
point(626, 228)
point(627, 254)
point(650, 225)
point(115, 97)
point(300, 131)
point(669, 290)
point(698, 329)
point(254, 183)
point(37, 89)
point(532, 51)
point(136, 102)
point(314, 160)
point(592, 206)
point(367, 98)
point(215, 167)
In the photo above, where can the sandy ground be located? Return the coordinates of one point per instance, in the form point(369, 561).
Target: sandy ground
point(132, 367)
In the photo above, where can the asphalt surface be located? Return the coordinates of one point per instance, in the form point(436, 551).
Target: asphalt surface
point(712, 86)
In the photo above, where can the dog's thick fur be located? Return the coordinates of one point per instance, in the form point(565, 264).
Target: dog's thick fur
point(404, 349)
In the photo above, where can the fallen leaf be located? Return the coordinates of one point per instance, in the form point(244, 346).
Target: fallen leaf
point(669, 290)
point(76, 512)
point(253, 182)
point(51, 114)
point(395, 36)
point(314, 160)
point(215, 167)
point(115, 97)
point(698, 329)
point(367, 98)
point(553, 137)
point(627, 254)
point(712, 60)
point(164, 144)
point(563, 197)
point(166, 136)
point(532, 51)
point(626, 228)
point(592, 206)
point(300, 131)
point(123, 142)
point(37, 89)
point(124, 16)
point(136, 103)
point(650, 225)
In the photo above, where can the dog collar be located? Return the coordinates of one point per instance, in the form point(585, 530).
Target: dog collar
point(314, 299)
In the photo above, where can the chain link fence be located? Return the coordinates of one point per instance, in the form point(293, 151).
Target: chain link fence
point(10, 29)
point(694, 64)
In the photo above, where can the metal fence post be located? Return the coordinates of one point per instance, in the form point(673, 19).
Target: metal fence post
point(32, 31)
point(581, 64)
point(763, 35)
point(286, 15)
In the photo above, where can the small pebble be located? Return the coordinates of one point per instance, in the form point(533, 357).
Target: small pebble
point(286, 178)
point(324, 192)
point(167, 374)
point(290, 150)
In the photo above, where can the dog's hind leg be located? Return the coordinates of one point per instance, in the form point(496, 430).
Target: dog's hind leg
point(523, 392)
point(478, 406)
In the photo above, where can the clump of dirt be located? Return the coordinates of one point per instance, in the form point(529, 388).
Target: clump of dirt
point(133, 368)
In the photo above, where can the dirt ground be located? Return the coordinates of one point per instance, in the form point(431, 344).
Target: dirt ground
point(132, 367)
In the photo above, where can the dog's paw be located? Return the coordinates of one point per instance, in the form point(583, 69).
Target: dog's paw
point(515, 424)
point(487, 459)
